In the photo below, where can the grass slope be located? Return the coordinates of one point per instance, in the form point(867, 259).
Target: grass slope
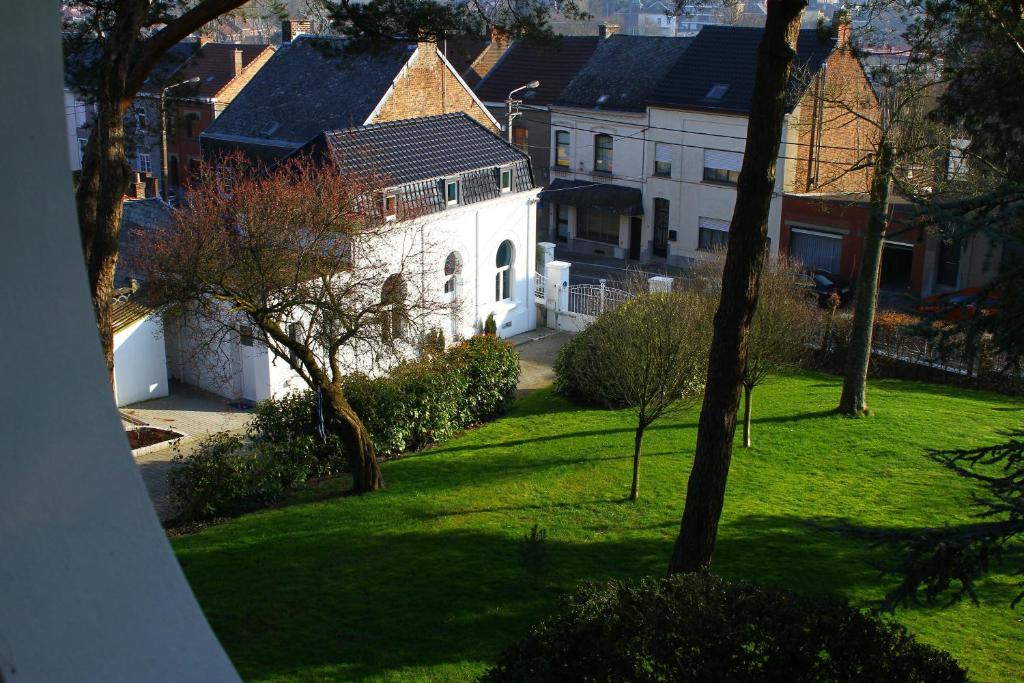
point(424, 581)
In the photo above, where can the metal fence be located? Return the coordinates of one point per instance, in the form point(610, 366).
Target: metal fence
point(540, 284)
point(593, 300)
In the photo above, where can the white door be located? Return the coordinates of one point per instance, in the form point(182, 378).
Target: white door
point(250, 353)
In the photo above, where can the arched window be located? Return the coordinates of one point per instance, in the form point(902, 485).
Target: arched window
point(394, 315)
point(452, 270)
point(503, 278)
point(603, 153)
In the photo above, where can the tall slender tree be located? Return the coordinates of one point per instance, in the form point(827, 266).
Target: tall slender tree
point(705, 492)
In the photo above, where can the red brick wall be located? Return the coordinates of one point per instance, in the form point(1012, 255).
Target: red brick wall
point(428, 88)
point(182, 146)
point(852, 218)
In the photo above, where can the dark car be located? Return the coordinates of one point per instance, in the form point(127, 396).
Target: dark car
point(822, 284)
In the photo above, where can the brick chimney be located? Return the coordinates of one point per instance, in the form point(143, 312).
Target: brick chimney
point(152, 186)
point(293, 28)
point(238, 63)
point(137, 188)
point(607, 30)
point(498, 37)
point(841, 27)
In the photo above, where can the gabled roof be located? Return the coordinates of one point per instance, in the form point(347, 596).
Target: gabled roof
point(410, 150)
point(126, 309)
point(727, 56)
point(623, 72)
point(214, 65)
point(553, 65)
point(168, 65)
point(310, 85)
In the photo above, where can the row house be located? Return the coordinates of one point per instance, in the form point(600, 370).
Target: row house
point(655, 129)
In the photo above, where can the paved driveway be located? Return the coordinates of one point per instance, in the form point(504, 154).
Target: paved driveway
point(190, 411)
point(537, 351)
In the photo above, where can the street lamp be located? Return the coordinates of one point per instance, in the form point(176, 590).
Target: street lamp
point(163, 133)
point(510, 105)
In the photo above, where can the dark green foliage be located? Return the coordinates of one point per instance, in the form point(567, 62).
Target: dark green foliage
point(290, 424)
point(491, 367)
point(227, 475)
point(433, 342)
point(694, 627)
point(490, 326)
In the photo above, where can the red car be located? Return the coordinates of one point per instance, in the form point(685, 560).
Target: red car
point(962, 304)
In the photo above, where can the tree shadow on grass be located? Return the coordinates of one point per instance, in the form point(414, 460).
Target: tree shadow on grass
point(342, 598)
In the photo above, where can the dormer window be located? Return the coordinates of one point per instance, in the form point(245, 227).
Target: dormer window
point(451, 192)
point(390, 206)
point(505, 174)
point(717, 91)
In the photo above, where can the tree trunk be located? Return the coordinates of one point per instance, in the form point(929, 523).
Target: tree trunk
point(854, 399)
point(342, 421)
point(634, 489)
point(705, 492)
point(747, 389)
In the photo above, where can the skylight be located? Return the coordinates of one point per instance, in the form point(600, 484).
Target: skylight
point(717, 91)
point(270, 128)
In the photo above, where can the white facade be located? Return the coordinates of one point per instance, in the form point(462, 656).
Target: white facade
point(140, 369)
point(475, 232)
point(76, 118)
point(682, 140)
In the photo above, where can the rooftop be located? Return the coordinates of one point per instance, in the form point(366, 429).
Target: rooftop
point(311, 85)
point(717, 72)
point(214, 65)
point(138, 217)
point(553, 65)
point(623, 72)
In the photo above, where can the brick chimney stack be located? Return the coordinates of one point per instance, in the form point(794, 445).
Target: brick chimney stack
point(293, 28)
point(152, 186)
point(238, 62)
point(607, 30)
point(841, 27)
point(498, 37)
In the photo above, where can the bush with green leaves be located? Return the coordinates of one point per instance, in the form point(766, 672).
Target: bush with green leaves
point(290, 424)
point(227, 474)
point(694, 627)
point(491, 368)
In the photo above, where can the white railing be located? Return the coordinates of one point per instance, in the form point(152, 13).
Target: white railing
point(539, 287)
point(593, 300)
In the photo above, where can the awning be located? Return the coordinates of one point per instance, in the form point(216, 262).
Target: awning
point(601, 196)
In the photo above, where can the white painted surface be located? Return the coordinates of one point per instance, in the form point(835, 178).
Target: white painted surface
point(140, 362)
point(89, 587)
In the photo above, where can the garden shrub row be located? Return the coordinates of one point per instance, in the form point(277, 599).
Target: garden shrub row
point(421, 402)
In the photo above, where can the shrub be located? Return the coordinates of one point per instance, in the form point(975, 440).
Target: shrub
point(702, 628)
point(226, 474)
point(490, 326)
point(491, 367)
point(290, 425)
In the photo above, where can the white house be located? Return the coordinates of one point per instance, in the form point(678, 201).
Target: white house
point(140, 367)
point(647, 144)
point(473, 241)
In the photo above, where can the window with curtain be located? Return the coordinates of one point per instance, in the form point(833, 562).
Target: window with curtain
point(562, 148)
point(503, 277)
point(713, 234)
point(722, 167)
point(603, 153)
point(662, 159)
point(599, 226)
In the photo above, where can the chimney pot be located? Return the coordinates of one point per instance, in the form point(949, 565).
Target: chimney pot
point(841, 27)
point(607, 30)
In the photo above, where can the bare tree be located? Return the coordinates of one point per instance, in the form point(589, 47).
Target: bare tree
point(782, 329)
point(748, 247)
point(651, 355)
point(303, 260)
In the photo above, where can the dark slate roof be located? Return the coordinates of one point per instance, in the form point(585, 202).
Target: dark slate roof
point(602, 196)
point(727, 55)
point(553, 65)
point(418, 149)
point(168, 65)
point(140, 218)
point(623, 72)
point(310, 85)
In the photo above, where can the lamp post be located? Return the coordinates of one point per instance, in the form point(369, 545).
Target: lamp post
point(163, 133)
point(511, 105)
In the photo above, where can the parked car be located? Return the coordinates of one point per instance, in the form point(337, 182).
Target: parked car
point(821, 284)
point(963, 304)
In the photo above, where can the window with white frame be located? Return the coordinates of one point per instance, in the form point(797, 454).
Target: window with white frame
point(662, 159)
point(713, 234)
point(452, 270)
point(722, 167)
point(503, 277)
point(451, 192)
point(394, 315)
point(143, 163)
point(603, 153)
point(505, 177)
point(562, 148)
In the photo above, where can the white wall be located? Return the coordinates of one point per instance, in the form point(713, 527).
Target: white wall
point(74, 118)
point(475, 231)
point(140, 362)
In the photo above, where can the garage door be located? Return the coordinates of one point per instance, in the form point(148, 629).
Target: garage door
point(821, 250)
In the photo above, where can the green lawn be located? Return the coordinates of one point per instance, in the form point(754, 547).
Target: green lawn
point(424, 582)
